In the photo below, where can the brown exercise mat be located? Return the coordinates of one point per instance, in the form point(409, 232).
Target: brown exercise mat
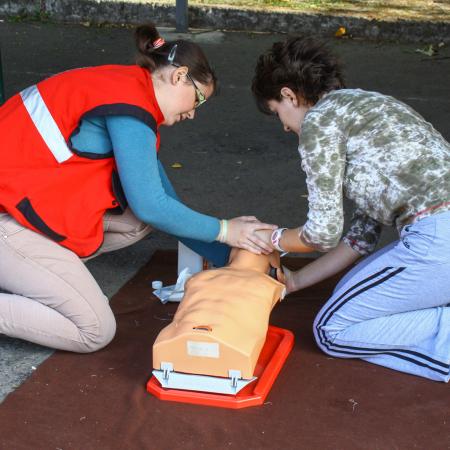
point(98, 401)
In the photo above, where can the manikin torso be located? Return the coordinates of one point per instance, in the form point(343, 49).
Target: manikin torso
point(222, 321)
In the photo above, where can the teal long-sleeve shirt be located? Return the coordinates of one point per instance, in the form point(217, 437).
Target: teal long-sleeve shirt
point(147, 188)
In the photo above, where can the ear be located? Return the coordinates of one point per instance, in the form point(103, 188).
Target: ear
point(178, 74)
point(290, 95)
point(274, 259)
point(275, 262)
point(233, 254)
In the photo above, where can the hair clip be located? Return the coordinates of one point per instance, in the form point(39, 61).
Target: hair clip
point(158, 43)
point(172, 53)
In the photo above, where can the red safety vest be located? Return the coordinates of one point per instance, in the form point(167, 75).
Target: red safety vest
point(45, 183)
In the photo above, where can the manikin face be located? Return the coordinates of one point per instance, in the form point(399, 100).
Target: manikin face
point(177, 95)
point(289, 110)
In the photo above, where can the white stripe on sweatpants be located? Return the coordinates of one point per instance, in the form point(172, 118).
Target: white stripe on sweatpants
point(45, 124)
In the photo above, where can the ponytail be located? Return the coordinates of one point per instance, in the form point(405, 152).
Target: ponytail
point(153, 52)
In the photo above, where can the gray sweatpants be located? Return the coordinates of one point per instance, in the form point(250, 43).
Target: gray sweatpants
point(393, 309)
point(55, 300)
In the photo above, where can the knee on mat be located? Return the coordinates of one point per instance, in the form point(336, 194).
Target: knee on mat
point(322, 336)
point(141, 230)
point(99, 336)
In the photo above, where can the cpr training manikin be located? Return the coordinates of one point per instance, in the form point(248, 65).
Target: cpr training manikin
point(222, 321)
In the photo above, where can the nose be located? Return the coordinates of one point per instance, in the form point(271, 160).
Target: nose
point(188, 115)
point(286, 128)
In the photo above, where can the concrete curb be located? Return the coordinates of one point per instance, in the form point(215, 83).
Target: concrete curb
point(229, 19)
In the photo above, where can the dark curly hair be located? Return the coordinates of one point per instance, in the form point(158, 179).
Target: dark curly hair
point(302, 64)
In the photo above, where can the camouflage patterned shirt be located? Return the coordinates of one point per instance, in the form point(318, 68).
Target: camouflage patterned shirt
point(378, 152)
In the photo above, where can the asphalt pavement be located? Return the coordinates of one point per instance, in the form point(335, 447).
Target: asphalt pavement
point(234, 160)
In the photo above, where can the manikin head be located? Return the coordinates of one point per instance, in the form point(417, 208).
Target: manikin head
point(292, 76)
point(243, 259)
point(182, 77)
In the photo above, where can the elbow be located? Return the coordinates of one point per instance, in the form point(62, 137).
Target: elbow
point(325, 245)
point(143, 216)
point(324, 239)
point(332, 239)
point(148, 212)
point(329, 244)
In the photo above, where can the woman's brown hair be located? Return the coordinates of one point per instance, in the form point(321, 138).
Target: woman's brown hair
point(303, 64)
point(189, 54)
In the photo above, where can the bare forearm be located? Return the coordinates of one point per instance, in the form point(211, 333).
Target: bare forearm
point(290, 242)
point(323, 267)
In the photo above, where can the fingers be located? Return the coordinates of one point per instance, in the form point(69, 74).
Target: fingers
point(248, 233)
point(258, 225)
point(289, 280)
point(251, 248)
point(280, 277)
point(265, 226)
point(265, 247)
point(255, 226)
point(261, 238)
point(254, 244)
point(248, 218)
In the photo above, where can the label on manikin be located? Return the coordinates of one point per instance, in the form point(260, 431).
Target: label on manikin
point(205, 349)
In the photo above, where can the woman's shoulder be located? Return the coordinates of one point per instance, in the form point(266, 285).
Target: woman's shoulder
point(341, 104)
point(350, 103)
point(350, 96)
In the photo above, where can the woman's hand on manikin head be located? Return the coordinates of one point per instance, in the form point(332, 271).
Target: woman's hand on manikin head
point(248, 233)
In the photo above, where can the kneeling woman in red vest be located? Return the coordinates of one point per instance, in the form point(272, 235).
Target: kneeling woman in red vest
point(80, 176)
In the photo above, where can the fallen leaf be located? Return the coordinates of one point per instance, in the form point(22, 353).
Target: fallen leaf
point(341, 31)
point(429, 51)
point(176, 165)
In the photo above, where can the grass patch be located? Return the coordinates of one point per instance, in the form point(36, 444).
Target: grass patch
point(437, 10)
point(23, 16)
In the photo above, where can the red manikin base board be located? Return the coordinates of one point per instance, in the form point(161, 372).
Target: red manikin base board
point(279, 343)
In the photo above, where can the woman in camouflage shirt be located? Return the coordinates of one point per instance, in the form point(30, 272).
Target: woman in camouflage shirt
point(392, 308)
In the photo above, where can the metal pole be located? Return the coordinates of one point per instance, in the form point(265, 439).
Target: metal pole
point(2, 90)
point(181, 16)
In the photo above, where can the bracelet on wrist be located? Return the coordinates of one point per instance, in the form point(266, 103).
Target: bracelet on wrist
point(275, 239)
point(219, 235)
point(222, 236)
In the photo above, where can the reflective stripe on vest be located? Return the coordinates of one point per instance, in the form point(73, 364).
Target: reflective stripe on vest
point(45, 124)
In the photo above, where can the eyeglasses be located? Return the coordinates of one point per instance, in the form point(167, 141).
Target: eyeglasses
point(200, 97)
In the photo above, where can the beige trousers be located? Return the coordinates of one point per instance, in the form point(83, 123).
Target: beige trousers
point(54, 300)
